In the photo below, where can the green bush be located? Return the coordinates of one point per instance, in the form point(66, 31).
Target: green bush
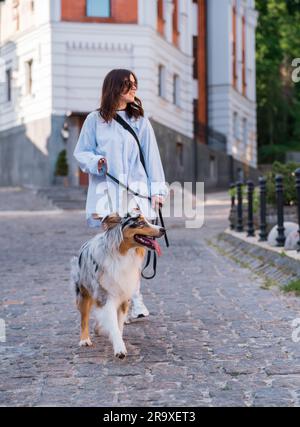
point(287, 170)
point(62, 168)
point(268, 154)
point(233, 192)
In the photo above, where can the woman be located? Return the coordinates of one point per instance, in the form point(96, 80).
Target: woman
point(104, 146)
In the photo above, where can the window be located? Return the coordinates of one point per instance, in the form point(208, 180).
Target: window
point(175, 22)
point(244, 56)
point(98, 8)
point(176, 89)
point(160, 17)
point(179, 153)
point(8, 84)
point(195, 55)
point(195, 116)
point(161, 81)
point(234, 47)
point(236, 125)
point(16, 13)
point(212, 167)
point(28, 77)
point(245, 131)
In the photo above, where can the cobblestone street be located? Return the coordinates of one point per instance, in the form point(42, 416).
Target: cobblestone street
point(214, 336)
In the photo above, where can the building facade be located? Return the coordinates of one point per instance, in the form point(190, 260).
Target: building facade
point(196, 70)
point(232, 75)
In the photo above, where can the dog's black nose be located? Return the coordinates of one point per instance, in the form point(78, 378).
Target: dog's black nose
point(162, 230)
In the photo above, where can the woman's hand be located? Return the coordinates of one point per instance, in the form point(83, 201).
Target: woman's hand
point(156, 201)
point(102, 165)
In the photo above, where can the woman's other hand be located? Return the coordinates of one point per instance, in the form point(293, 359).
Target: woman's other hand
point(102, 166)
point(156, 201)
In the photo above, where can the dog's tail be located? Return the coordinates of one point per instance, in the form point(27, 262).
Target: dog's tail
point(74, 275)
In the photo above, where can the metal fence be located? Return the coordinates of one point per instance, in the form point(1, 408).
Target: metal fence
point(237, 218)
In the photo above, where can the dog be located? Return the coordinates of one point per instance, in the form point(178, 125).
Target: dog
point(106, 273)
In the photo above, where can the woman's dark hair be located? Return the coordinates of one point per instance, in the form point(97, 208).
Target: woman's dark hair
point(113, 86)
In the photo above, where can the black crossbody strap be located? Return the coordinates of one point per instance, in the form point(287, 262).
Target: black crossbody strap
point(125, 125)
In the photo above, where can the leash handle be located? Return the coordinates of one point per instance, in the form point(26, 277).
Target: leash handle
point(149, 258)
point(147, 263)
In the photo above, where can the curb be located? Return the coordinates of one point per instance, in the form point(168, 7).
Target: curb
point(275, 267)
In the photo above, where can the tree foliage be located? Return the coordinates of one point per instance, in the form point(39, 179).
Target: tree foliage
point(278, 97)
point(61, 167)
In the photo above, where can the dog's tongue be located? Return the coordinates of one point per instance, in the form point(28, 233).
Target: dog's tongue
point(157, 247)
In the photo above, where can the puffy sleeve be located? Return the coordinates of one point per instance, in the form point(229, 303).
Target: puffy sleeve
point(152, 159)
point(85, 150)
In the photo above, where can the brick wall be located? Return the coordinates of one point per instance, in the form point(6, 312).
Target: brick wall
point(122, 11)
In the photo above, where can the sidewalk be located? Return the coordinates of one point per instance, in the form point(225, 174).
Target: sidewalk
point(214, 336)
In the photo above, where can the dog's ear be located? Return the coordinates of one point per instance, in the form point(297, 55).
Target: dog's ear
point(111, 220)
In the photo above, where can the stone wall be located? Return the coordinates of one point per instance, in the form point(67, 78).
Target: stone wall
point(28, 152)
point(215, 168)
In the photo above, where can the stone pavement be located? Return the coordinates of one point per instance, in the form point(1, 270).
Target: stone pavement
point(214, 336)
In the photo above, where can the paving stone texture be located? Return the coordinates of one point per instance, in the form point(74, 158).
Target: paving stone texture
point(214, 336)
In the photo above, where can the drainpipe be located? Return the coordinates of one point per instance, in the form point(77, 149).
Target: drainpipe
point(1, 2)
point(206, 62)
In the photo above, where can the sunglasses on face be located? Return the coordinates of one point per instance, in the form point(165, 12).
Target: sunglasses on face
point(130, 85)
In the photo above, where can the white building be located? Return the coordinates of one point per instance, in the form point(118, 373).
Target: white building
point(232, 75)
point(56, 53)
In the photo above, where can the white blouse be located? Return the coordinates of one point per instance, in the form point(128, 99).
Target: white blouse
point(98, 139)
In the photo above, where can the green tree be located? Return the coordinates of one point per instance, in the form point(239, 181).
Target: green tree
point(278, 97)
point(61, 167)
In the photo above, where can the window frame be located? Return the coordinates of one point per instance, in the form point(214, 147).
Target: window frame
point(245, 131)
point(180, 154)
point(236, 125)
point(29, 77)
point(161, 17)
point(8, 82)
point(162, 81)
point(176, 89)
point(98, 16)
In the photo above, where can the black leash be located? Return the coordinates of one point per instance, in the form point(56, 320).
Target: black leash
point(153, 222)
point(125, 125)
point(149, 259)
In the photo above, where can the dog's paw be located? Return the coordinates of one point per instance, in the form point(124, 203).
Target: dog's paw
point(121, 355)
point(120, 351)
point(85, 343)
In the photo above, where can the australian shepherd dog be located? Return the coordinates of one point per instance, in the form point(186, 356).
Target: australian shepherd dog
point(106, 273)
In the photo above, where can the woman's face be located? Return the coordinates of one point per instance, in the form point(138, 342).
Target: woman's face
point(130, 95)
